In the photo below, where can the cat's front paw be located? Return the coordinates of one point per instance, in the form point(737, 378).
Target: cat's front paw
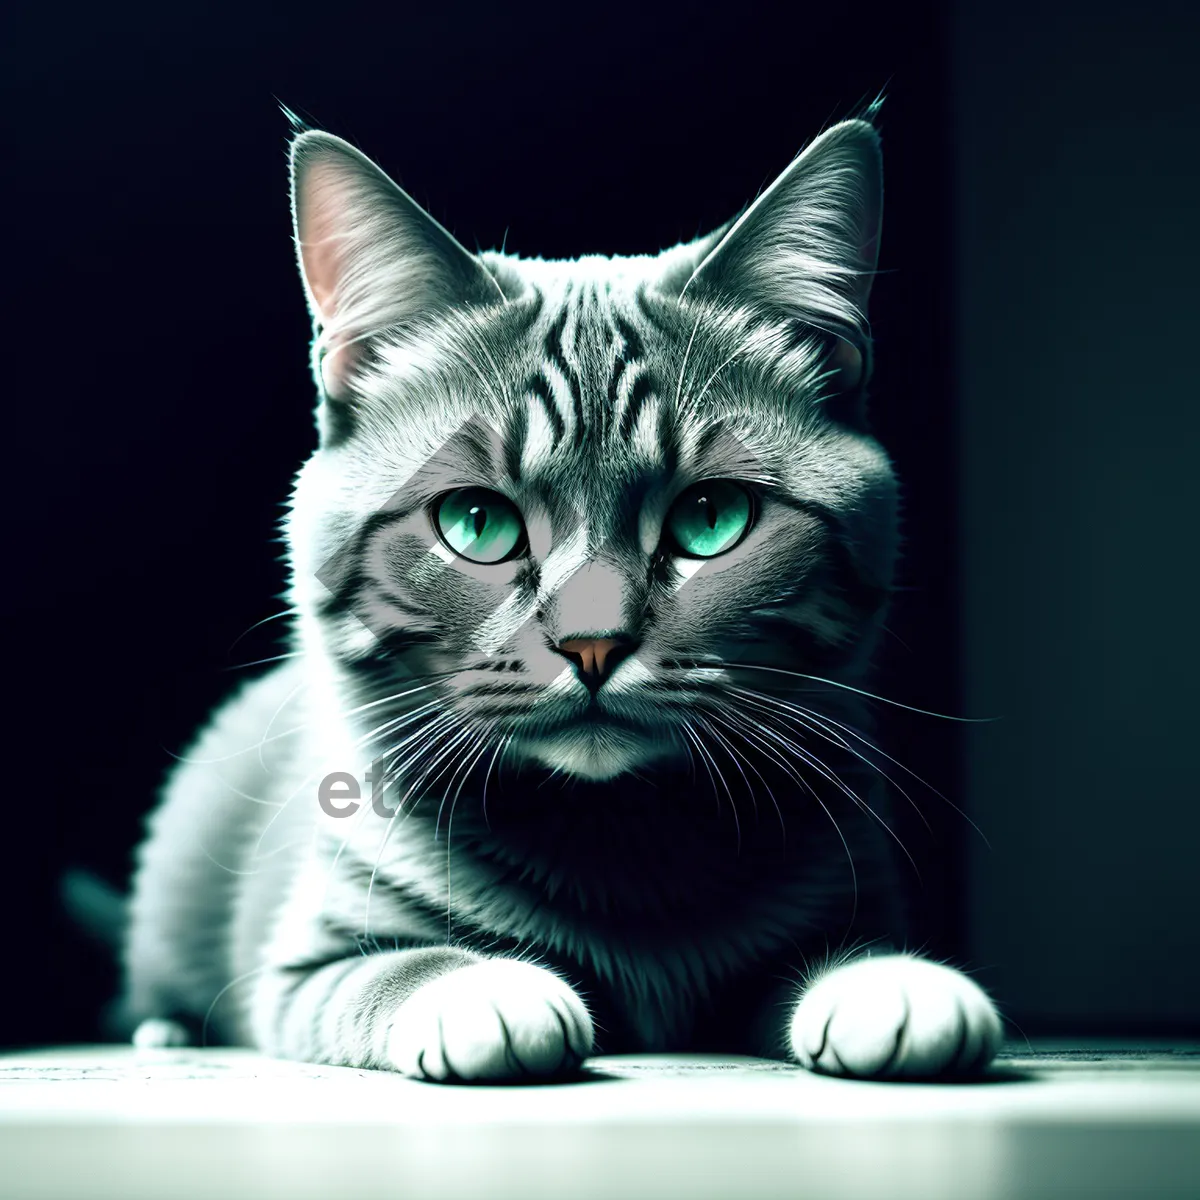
point(895, 1017)
point(497, 1020)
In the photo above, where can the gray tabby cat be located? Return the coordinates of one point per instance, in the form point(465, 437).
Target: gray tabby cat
point(586, 574)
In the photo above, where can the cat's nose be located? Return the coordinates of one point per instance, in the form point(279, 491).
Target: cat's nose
point(595, 658)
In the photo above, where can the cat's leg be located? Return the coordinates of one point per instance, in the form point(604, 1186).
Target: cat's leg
point(435, 1013)
point(198, 868)
point(894, 1016)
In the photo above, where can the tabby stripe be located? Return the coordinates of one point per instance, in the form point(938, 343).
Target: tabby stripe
point(515, 441)
point(343, 569)
point(554, 352)
point(392, 642)
point(467, 934)
point(614, 385)
point(330, 973)
point(380, 592)
point(539, 385)
point(709, 436)
point(668, 434)
point(630, 354)
point(632, 350)
point(367, 876)
point(358, 996)
point(653, 316)
point(642, 387)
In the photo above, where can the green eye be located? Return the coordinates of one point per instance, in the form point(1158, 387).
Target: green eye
point(480, 525)
point(710, 518)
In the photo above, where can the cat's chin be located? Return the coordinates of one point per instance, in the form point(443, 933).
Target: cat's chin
point(593, 754)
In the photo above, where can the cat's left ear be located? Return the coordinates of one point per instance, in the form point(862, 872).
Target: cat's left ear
point(809, 245)
point(371, 258)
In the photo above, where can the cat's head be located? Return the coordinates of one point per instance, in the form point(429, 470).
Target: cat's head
point(589, 513)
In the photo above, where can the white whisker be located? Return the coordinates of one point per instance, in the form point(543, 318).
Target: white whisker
point(722, 719)
point(752, 732)
point(925, 712)
point(711, 764)
point(814, 724)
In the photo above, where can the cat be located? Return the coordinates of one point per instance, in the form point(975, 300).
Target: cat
point(568, 756)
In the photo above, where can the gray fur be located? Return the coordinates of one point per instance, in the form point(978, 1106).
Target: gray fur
point(658, 854)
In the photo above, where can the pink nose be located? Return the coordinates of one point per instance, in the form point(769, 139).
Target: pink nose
point(595, 657)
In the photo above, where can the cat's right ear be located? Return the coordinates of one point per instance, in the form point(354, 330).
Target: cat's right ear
point(808, 247)
point(372, 260)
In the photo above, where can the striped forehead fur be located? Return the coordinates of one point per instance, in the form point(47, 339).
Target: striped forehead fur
point(478, 362)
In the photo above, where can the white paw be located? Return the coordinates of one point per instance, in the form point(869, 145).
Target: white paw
point(157, 1033)
point(495, 1020)
point(895, 1017)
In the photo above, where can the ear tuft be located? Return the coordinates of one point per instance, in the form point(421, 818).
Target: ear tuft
point(298, 124)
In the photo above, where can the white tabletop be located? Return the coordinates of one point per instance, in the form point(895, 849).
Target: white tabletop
point(1092, 1121)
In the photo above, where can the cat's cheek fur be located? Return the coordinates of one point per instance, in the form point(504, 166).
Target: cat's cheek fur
point(497, 1020)
point(895, 1016)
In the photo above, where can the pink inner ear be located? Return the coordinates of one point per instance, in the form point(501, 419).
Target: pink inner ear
point(322, 216)
point(319, 266)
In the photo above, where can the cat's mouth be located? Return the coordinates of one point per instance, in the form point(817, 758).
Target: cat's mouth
point(595, 745)
point(595, 717)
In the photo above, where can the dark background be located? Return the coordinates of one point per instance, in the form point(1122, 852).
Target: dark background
point(1034, 330)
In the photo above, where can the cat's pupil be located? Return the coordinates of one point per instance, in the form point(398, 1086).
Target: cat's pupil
point(478, 519)
point(710, 511)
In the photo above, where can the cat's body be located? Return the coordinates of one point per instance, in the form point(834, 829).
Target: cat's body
point(589, 565)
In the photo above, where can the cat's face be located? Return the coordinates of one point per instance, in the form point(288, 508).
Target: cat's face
point(569, 512)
